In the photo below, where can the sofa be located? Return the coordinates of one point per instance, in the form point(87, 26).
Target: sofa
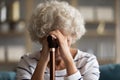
point(7, 75)
point(110, 72)
point(107, 72)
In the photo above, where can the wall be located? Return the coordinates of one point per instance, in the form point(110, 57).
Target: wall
point(90, 44)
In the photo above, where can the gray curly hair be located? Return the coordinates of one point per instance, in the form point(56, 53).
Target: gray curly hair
point(52, 15)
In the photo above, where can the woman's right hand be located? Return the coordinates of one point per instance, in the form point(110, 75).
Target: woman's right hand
point(44, 54)
point(43, 62)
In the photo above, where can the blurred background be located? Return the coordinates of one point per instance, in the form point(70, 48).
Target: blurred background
point(101, 39)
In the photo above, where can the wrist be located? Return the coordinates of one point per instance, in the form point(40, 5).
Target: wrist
point(44, 59)
point(44, 55)
point(68, 59)
point(71, 67)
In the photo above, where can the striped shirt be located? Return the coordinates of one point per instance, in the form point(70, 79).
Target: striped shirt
point(87, 65)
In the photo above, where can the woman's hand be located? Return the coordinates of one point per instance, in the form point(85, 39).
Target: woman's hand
point(42, 63)
point(45, 50)
point(64, 42)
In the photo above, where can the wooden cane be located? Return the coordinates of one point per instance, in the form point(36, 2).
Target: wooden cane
point(52, 64)
point(52, 43)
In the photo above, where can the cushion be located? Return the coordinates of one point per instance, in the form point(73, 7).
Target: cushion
point(110, 72)
point(7, 75)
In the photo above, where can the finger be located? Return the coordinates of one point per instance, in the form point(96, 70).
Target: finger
point(56, 34)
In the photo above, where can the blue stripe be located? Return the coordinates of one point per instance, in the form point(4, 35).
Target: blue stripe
point(86, 63)
point(91, 60)
point(97, 74)
point(81, 58)
point(80, 79)
point(25, 70)
point(35, 59)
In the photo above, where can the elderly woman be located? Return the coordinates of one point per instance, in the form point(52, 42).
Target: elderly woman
point(65, 24)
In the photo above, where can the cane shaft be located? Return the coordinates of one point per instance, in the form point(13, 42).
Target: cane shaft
point(52, 64)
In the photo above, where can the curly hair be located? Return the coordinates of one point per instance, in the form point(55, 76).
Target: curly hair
point(52, 15)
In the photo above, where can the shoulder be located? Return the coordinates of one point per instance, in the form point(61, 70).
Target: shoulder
point(86, 62)
point(27, 65)
point(29, 59)
point(85, 59)
point(84, 55)
point(32, 56)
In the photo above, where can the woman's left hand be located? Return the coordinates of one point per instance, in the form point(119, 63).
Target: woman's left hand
point(64, 42)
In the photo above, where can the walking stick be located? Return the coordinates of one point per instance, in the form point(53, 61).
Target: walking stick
point(52, 44)
point(52, 64)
